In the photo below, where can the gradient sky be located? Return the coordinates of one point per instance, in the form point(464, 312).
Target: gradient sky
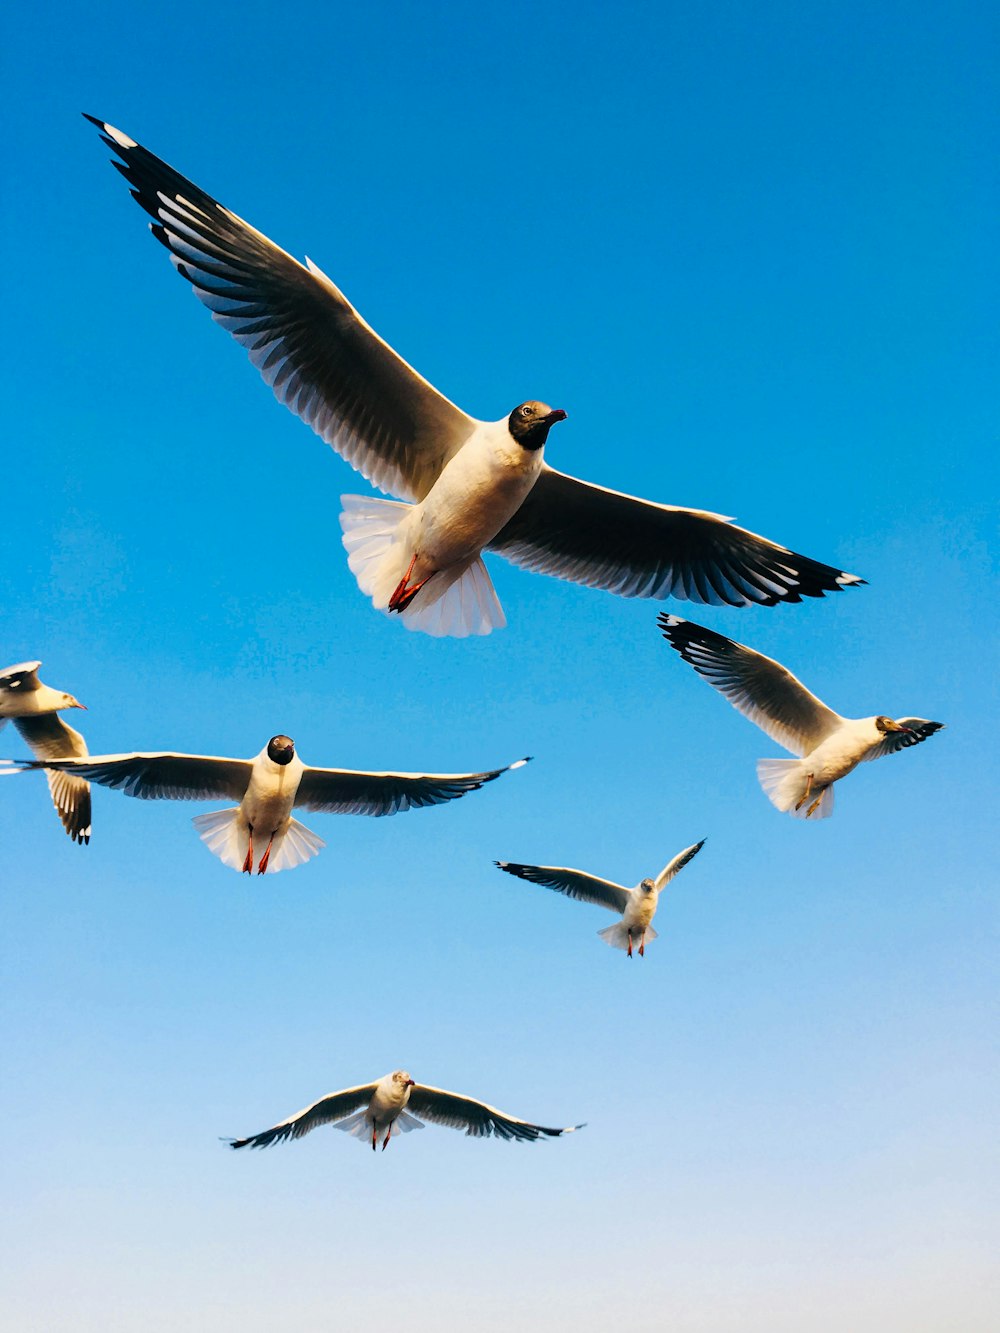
point(751, 250)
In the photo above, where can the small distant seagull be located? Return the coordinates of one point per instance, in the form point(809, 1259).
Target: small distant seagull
point(390, 1107)
point(768, 694)
point(267, 787)
point(471, 485)
point(34, 710)
point(637, 906)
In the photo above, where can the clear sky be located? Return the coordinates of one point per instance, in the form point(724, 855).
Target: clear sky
point(751, 250)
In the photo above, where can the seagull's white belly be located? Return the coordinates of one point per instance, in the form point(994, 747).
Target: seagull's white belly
point(482, 487)
point(837, 755)
point(639, 912)
point(267, 805)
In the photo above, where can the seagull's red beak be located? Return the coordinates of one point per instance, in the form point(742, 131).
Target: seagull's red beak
point(410, 1083)
point(553, 417)
point(78, 704)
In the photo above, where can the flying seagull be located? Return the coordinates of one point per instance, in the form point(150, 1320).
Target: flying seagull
point(637, 906)
point(268, 787)
point(34, 710)
point(829, 745)
point(390, 1106)
point(468, 485)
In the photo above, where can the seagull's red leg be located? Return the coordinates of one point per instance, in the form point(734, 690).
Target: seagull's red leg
point(630, 944)
point(642, 946)
point(248, 859)
point(805, 795)
point(404, 595)
point(267, 852)
point(374, 1135)
point(388, 1136)
point(815, 803)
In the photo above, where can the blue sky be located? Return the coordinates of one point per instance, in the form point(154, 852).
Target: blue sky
point(750, 249)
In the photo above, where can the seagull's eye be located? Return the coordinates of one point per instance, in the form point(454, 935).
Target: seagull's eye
point(526, 411)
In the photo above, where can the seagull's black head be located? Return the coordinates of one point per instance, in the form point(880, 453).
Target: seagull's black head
point(886, 724)
point(529, 424)
point(647, 885)
point(281, 749)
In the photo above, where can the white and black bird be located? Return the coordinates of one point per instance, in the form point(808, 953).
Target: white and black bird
point(829, 746)
point(34, 709)
point(268, 787)
point(374, 1112)
point(637, 906)
point(468, 485)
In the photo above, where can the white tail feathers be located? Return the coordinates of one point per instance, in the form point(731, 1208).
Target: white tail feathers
point(785, 781)
point(360, 1127)
point(455, 602)
point(617, 936)
point(226, 836)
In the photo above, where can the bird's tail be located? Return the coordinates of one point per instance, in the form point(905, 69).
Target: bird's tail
point(785, 781)
point(617, 936)
point(456, 602)
point(221, 833)
point(226, 836)
point(360, 1127)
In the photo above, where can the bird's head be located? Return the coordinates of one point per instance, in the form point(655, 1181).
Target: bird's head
point(402, 1079)
point(647, 885)
point(281, 749)
point(70, 702)
point(886, 724)
point(529, 424)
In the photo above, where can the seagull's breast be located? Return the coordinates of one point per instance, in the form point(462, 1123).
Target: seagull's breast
point(271, 794)
point(479, 490)
point(842, 751)
point(640, 910)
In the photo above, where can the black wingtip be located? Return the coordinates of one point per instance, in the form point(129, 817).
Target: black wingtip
point(93, 119)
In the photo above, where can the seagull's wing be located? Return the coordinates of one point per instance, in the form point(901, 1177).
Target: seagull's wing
point(574, 883)
point(49, 737)
point(678, 863)
point(762, 689)
point(309, 343)
point(23, 676)
point(324, 1112)
point(345, 792)
point(635, 548)
point(918, 729)
point(476, 1118)
point(161, 775)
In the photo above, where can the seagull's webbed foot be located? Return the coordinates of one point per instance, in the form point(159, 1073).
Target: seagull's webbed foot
point(642, 946)
point(388, 1136)
point(630, 944)
point(404, 594)
point(815, 805)
point(248, 859)
point(264, 859)
point(374, 1136)
point(805, 795)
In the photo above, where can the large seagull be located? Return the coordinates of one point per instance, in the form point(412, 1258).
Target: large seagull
point(261, 830)
point(466, 485)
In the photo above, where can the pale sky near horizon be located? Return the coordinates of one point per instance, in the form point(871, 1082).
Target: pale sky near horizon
point(750, 249)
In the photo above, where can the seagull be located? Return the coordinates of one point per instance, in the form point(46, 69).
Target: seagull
point(829, 746)
point(463, 485)
point(637, 906)
point(34, 709)
point(267, 787)
point(390, 1106)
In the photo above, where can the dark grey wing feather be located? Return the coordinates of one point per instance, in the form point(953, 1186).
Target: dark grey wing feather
point(919, 729)
point(309, 343)
point(49, 737)
point(476, 1118)
point(573, 883)
point(604, 539)
point(677, 864)
point(760, 688)
point(345, 792)
point(161, 775)
point(326, 1111)
point(21, 677)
